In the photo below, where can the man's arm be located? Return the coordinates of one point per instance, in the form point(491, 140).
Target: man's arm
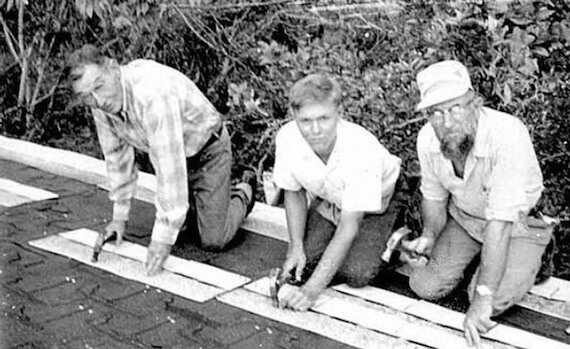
point(296, 214)
point(491, 270)
point(121, 171)
point(434, 214)
point(335, 253)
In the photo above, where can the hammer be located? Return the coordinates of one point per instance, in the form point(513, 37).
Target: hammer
point(395, 243)
point(276, 279)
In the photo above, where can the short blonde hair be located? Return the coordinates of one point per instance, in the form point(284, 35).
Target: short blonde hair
point(314, 88)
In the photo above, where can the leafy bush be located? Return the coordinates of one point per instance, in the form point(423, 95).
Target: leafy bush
point(246, 56)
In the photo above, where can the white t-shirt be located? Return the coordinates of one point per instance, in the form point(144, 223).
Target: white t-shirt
point(360, 174)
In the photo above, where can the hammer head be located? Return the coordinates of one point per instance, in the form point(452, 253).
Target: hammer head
point(276, 279)
point(395, 242)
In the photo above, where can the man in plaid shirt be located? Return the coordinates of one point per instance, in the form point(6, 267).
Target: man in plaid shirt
point(157, 109)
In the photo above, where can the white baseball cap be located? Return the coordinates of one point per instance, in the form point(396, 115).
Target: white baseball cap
point(442, 82)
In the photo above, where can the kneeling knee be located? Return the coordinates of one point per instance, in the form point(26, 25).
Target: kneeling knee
point(425, 289)
point(213, 245)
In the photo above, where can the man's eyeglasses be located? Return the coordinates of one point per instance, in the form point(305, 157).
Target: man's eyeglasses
point(454, 110)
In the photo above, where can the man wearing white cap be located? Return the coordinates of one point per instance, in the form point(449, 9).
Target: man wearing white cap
point(480, 179)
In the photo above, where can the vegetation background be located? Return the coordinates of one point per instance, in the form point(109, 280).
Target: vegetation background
point(245, 55)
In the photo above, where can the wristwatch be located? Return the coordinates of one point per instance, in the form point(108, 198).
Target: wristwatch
point(483, 290)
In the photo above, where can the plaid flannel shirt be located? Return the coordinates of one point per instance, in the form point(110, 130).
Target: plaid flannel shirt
point(167, 116)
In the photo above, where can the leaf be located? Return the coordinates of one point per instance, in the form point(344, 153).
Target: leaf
point(89, 8)
point(507, 94)
point(541, 51)
point(81, 6)
point(565, 31)
point(122, 22)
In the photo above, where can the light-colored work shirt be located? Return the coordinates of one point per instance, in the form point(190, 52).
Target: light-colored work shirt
point(502, 178)
point(360, 174)
point(167, 116)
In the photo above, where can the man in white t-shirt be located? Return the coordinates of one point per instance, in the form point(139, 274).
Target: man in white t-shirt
point(338, 182)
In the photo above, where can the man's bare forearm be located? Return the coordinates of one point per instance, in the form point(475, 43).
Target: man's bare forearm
point(296, 214)
point(494, 254)
point(336, 251)
point(434, 214)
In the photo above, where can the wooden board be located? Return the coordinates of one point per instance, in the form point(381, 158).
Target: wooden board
point(8, 199)
point(320, 324)
point(449, 318)
point(129, 269)
point(200, 271)
point(381, 319)
point(553, 288)
point(13, 193)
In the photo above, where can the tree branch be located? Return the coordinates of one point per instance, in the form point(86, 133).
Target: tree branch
point(406, 123)
point(9, 39)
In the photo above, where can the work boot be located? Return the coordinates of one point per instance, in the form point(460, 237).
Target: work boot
point(250, 178)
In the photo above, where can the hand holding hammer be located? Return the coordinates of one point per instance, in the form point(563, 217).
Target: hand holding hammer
point(414, 252)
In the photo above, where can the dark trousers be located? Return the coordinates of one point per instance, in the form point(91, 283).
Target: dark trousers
point(363, 261)
point(216, 209)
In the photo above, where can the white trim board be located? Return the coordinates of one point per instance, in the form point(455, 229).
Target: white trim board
point(264, 219)
point(200, 271)
point(323, 325)
point(374, 317)
point(13, 193)
point(132, 269)
point(449, 318)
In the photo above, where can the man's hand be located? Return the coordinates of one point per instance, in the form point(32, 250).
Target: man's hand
point(295, 259)
point(157, 253)
point(422, 246)
point(300, 299)
point(117, 227)
point(478, 320)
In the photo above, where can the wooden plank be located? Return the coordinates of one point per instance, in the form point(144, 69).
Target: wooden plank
point(58, 161)
point(553, 288)
point(34, 194)
point(8, 199)
point(13, 193)
point(549, 307)
point(268, 221)
point(320, 324)
point(379, 296)
point(449, 318)
point(200, 271)
point(383, 320)
point(129, 269)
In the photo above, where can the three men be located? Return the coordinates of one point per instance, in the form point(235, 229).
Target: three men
point(480, 179)
point(339, 182)
point(154, 108)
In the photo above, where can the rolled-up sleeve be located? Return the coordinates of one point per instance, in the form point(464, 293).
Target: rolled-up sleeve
point(283, 175)
point(431, 187)
point(166, 152)
point(513, 159)
point(120, 163)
